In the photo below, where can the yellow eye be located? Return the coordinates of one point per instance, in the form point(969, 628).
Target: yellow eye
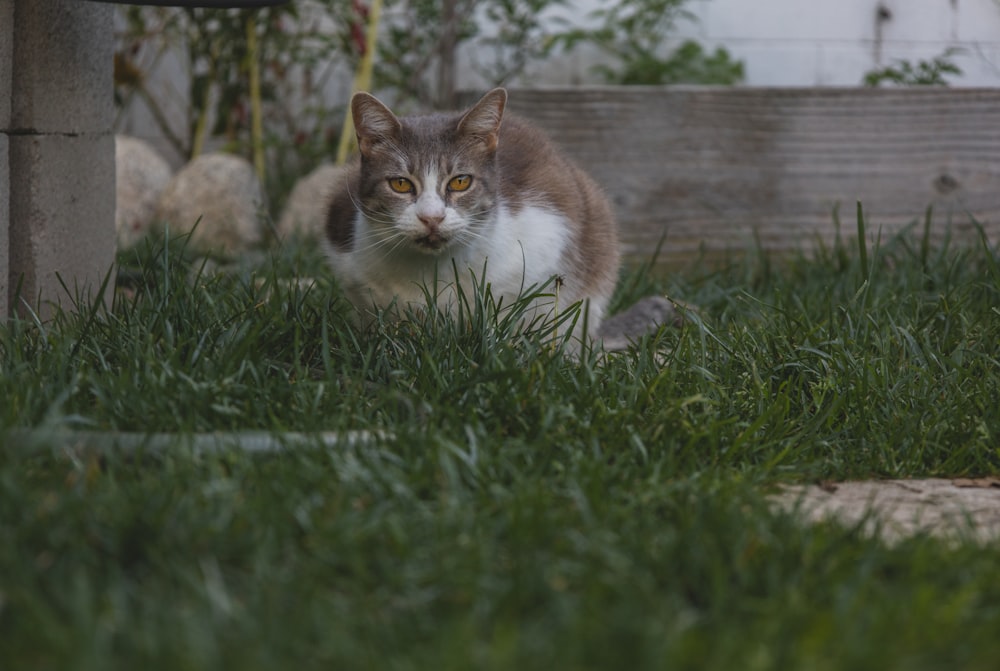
point(460, 183)
point(400, 185)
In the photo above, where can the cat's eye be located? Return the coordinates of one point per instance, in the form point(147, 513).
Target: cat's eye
point(400, 185)
point(460, 183)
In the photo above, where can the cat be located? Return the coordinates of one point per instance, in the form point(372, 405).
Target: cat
point(482, 192)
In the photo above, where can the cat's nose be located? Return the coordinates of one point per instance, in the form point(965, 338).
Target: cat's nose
point(430, 210)
point(431, 221)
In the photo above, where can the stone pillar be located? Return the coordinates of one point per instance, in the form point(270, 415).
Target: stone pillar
point(6, 63)
point(61, 152)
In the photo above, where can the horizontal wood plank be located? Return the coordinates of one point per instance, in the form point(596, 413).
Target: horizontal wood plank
point(713, 169)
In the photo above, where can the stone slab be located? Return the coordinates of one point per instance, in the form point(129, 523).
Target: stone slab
point(63, 80)
point(62, 211)
point(959, 508)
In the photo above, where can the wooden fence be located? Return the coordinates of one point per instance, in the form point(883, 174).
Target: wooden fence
point(714, 169)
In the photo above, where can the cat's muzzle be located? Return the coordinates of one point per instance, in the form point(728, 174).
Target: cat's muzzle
point(432, 242)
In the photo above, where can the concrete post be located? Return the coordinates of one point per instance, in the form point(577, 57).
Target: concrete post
point(61, 152)
point(6, 66)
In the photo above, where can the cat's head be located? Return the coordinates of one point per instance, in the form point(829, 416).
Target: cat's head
point(428, 182)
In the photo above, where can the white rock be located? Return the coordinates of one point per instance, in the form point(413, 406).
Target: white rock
point(220, 201)
point(305, 212)
point(141, 174)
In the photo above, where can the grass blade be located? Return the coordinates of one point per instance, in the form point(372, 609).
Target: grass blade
point(862, 244)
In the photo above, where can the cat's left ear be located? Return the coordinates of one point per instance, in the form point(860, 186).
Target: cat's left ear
point(374, 123)
point(483, 120)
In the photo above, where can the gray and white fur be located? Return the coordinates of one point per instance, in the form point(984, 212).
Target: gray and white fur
point(479, 191)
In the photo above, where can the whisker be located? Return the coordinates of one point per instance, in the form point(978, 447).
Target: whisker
point(377, 240)
point(368, 212)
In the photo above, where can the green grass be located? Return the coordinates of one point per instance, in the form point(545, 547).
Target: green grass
point(523, 510)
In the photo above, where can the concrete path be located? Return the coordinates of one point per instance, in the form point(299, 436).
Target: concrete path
point(949, 508)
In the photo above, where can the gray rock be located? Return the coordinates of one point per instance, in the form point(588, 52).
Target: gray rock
point(141, 174)
point(220, 201)
point(304, 214)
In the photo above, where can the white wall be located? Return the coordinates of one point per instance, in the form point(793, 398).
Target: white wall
point(827, 42)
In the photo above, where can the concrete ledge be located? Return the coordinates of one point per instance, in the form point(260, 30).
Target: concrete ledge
point(62, 83)
point(62, 210)
point(719, 171)
point(32, 440)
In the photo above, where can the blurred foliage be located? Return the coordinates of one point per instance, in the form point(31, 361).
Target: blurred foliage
point(924, 73)
point(300, 46)
point(428, 44)
point(636, 35)
point(303, 47)
point(426, 47)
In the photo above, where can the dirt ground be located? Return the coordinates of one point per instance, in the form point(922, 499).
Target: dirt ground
point(956, 508)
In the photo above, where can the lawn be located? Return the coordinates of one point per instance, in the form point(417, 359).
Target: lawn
point(508, 507)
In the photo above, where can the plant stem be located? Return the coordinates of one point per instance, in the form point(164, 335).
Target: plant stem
point(256, 120)
point(362, 81)
point(446, 55)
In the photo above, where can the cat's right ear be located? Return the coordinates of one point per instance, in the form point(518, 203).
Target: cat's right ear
point(374, 123)
point(483, 120)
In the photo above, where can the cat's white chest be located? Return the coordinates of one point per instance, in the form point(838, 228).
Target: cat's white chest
point(514, 252)
point(524, 249)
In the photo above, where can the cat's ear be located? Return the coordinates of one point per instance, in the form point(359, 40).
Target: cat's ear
point(483, 120)
point(373, 122)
